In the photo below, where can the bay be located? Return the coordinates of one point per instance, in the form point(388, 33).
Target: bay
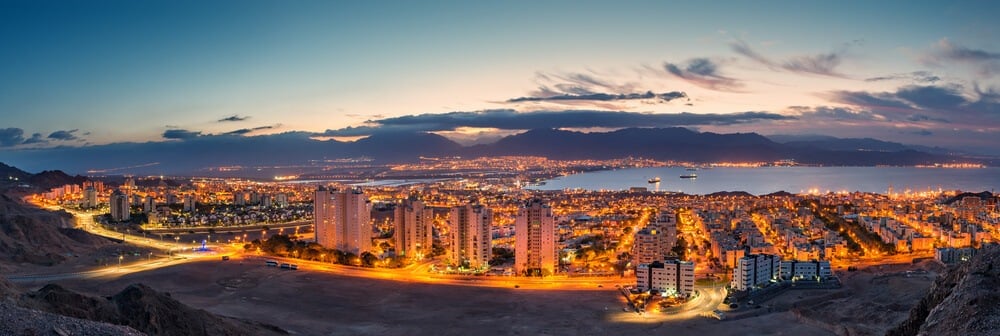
point(765, 180)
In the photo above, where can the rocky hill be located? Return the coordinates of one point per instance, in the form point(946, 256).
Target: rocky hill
point(965, 301)
point(141, 308)
point(37, 236)
point(17, 320)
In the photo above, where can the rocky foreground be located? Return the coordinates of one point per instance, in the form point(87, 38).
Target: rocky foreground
point(136, 310)
point(965, 301)
point(17, 320)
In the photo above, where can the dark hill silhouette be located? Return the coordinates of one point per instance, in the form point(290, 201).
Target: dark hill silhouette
point(296, 148)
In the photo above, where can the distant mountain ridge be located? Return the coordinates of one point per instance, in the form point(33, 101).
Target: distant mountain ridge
point(852, 144)
point(44, 180)
point(299, 148)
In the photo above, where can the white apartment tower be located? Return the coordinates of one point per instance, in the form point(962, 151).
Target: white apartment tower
point(239, 198)
point(648, 246)
point(755, 271)
point(413, 223)
point(190, 205)
point(148, 204)
point(670, 278)
point(535, 240)
point(343, 220)
point(89, 198)
point(119, 206)
point(470, 232)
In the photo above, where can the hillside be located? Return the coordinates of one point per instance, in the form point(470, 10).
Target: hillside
point(143, 309)
point(17, 320)
point(963, 302)
point(36, 236)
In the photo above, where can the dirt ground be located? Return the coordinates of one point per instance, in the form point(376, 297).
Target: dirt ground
point(310, 303)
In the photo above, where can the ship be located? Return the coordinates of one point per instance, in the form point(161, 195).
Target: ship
point(692, 169)
point(655, 180)
point(689, 176)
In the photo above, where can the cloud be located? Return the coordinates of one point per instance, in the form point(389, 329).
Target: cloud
point(928, 104)
point(703, 72)
point(512, 120)
point(824, 64)
point(11, 136)
point(868, 99)
point(662, 97)
point(836, 113)
point(243, 131)
point(234, 118)
point(180, 134)
point(932, 97)
point(986, 62)
point(35, 138)
point(920, 77)
point(575, 83)
point(64, 135)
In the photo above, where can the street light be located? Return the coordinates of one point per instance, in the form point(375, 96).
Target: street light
point(120, 257)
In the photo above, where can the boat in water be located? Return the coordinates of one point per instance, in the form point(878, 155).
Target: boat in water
point(692, 169)
point(654, 180)
point(689, 176)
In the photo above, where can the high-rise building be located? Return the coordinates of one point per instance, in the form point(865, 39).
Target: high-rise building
point(470, 232)
point(656, 239)
point(535, 240)
point(343, 220)
point(89, 198)
point(755, 271)
point(666, 221)
point(149, 204)
point(281, 200)
point(239, 198)
point(189, 203)
point(265, 200)
point(671, 277)
point(119, 206)
point(413, 223)
point(648, 246)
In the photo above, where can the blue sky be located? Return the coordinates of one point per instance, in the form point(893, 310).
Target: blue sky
point(83, 73)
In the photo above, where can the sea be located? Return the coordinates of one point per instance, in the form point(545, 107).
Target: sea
point(765, 180)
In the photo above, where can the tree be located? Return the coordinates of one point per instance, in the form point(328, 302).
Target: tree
point(680, 249)
point(368, 259)
point(501, 255)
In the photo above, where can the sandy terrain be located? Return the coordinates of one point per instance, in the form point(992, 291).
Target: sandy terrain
point(309, 303)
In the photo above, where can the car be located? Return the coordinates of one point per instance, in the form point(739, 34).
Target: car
point(293, 267)
point(286, 265)
point(224, 258)
point(271, 263)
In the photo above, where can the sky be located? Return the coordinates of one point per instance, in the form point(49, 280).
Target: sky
point(90, 73)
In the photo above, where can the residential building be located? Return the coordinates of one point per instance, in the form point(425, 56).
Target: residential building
point(805, 270)
point(413, 224)
point(648, 246)
point(239, 198)
point(469, 230)
point(89, 198)
point(535, 240)
point(190, 205)
point(342, 220)
point(755, 271)
point(120, 211)
point(669, 278)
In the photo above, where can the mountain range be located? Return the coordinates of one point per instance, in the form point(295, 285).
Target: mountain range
point(194, 155)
